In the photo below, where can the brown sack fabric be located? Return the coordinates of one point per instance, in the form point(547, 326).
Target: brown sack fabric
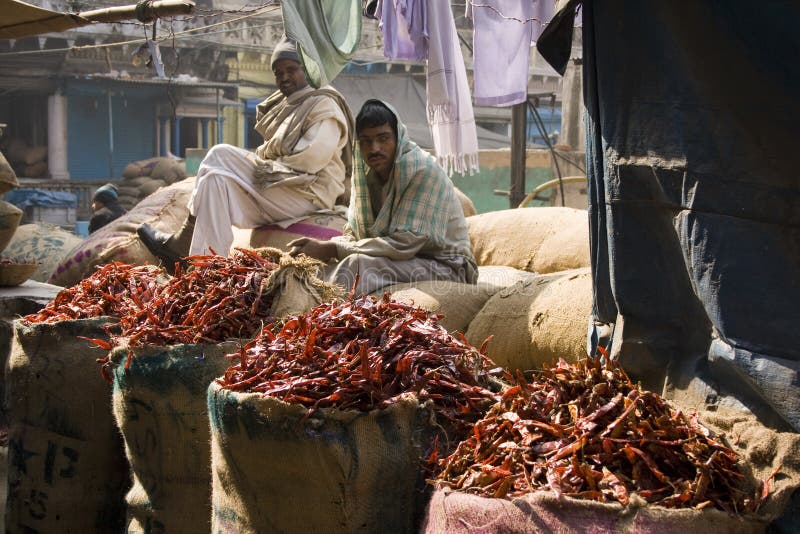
point(536, 321)
point(160, 409)
point(276, 470)
point(67, 470)
point(540, 240)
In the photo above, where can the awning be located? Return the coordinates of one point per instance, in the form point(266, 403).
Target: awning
point(23, 20)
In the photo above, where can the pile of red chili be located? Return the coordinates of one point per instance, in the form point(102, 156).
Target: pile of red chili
point(363, 354)
point(587, 431)
point(215, 298)
point(113, 290)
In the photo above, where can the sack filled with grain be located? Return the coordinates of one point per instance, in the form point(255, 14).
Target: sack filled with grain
point(536, 321)
point(168, 170)
point(10, 217)
point(457, 303)
point(8, 178)
point(541, 240)
point(42, 243)
point(150, 187)
point(35, 154)
point(467, 205)
point(140, 168)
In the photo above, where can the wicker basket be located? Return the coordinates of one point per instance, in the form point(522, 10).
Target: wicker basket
point(13, 274)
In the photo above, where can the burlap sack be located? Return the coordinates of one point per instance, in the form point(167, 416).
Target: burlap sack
point(762, 452)
point(458, 303)
point(134, 182)
point(37, 170)
point(541, 240)
point(165, 210)
point(467, 205)
point(129, 190)
point(140, 168)
point(319, 226)
point(67, 470)
point(295, 287)
point(35, 154)
point(10, 216)
point(276, 470)
point(540, 512)
point(150, 187)
point(160, 409)
point(168, 170)
point(8, 178)
point(128, 202)
point(536, 321)
point(16, 151)
point(42, 243)
point(500, 277)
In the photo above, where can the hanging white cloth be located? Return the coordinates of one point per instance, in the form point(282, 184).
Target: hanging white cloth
point(450, 113)
point(501, 41)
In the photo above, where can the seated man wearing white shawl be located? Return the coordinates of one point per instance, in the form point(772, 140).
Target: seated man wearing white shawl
point(405, 222)
point(298, 170)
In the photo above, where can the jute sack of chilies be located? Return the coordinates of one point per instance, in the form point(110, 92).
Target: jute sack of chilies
point(160, 408)
point(275, 469)
point(536, 320)
point(67, 469)
point(765, 454)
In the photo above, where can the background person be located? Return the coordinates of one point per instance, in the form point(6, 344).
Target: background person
point(105, 207)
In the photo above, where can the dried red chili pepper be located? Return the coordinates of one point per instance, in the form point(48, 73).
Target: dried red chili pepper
point(363, 354)
point(112, 290)
point(587, 431)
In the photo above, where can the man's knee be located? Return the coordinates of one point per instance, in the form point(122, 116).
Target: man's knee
point(217, 153)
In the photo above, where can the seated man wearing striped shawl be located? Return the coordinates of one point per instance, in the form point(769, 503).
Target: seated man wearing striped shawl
point(299, 169)
point(405, 222)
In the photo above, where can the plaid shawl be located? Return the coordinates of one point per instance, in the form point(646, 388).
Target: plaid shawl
point(419, 197)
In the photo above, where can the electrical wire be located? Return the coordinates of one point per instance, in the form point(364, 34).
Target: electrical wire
point(543, 131)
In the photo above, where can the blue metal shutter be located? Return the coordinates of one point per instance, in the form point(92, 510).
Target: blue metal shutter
point(88, 139)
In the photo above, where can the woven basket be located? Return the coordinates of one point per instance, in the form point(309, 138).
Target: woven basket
point(13, 274)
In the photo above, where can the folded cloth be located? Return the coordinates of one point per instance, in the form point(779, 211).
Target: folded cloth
point(327, 34)
point(450, 114)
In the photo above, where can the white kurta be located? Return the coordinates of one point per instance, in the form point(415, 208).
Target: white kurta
point(226, 194)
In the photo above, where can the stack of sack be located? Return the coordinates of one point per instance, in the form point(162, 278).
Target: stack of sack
point(145, 177)
point(534, 290)
point(27, 161)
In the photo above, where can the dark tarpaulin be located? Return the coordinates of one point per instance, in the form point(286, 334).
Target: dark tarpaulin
point(693, 120)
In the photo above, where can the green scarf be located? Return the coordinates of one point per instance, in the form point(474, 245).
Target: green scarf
point(419, 197)
point(327, 34)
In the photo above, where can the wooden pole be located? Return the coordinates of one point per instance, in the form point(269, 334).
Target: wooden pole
point(148, 12)
point(519, 114)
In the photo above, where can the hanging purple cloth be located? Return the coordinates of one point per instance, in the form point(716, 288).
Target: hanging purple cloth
point(404, 27)
point(501, 49)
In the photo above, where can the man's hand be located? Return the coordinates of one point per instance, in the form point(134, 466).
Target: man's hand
point(321, 250)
